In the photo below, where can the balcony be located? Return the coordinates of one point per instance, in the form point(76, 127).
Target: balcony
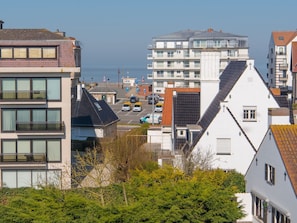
point(149, 56)
point(283, 66)
point(23, 96)
point(23, 157)
point(40, 126)
point(149, 66)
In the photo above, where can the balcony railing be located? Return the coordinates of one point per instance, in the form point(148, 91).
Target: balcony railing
point(283, 66)
point(23, 95)
point(40, 126)
point(23, 157)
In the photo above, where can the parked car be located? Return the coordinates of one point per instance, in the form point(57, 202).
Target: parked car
point(126, 106)
point(153, 99)
point(151, 119)
point(159, 107)
point(137, 107)
point(134, 99)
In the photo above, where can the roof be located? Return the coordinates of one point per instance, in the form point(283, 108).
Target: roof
point(227, 80)
point(98, 89)
point(168, 103)
point(283, 38)
point(294, 57)
point(196, 34)
point(29, 34)
point(285, 137)
point(88, 112)
point(186, 108)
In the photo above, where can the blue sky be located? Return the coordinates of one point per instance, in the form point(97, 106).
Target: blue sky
point(116, 33)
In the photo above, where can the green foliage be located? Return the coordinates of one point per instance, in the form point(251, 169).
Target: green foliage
point(154, 195)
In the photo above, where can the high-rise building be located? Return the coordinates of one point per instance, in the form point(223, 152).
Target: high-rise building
point(279, 58)
point(179, 59)
point(37, 70)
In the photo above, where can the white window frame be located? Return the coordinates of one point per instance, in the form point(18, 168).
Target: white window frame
point(269, 174)
point(249, 113)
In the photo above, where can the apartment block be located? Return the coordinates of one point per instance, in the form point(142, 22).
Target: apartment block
point(37, 70)
point(279, 64)
point(182, 58)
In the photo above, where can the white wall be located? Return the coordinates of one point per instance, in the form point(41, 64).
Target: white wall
point(281, 193)
point(209, 83)
point(250, 90)
point(224, 126)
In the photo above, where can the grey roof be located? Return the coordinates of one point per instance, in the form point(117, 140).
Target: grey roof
point(196, 34)
point(88, 112)
point(98, 89)
point(186, 110)
point(228, 79)
point(186, 107)
point(29, 34)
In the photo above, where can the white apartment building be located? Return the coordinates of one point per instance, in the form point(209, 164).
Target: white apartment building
point(37, 70)
point(279, 57)
point(177, 58)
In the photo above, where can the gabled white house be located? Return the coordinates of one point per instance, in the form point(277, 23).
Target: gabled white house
point(236, 121)
point(272, 178)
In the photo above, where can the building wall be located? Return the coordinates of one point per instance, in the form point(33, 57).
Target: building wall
point(280, 195)
point(224, 127)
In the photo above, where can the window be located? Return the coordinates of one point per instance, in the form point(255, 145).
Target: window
point(31, 88)
point(34, 150)
point(28, 52)
point(170, 54)
point(278, 217)
point(159, 53)
point(30, 178)
point(197, 63)
point(223, 146)
point(259, 209)
point(249, 113)
point(31, 119)
point(269, 174)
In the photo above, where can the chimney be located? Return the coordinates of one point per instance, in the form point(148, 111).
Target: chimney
point(1, 24)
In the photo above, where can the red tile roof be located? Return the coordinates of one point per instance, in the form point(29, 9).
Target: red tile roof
point(167, 107)
point(286, 140)
point(283, 38)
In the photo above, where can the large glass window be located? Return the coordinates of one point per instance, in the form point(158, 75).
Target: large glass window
point(53, 150)
point(49, 52)
point(8, 120)
point(23, 86)
point(35, 150)
point(30, 178)
point(31, 88)
point(8, 88)
point(31, 119)
point(39, 88)
point(53, 89)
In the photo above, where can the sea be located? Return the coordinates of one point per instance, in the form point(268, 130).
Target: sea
point(113, 75)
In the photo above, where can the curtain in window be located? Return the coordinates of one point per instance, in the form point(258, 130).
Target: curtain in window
point(39, 119)
point(8, 120)
point(38, 178)
point(24, 178)
point(54, 150)
point(24, 150)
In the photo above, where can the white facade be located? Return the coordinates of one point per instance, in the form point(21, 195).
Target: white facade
point(249, 93)
point(279, 196)
point(280, 59)
point(177, 58)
